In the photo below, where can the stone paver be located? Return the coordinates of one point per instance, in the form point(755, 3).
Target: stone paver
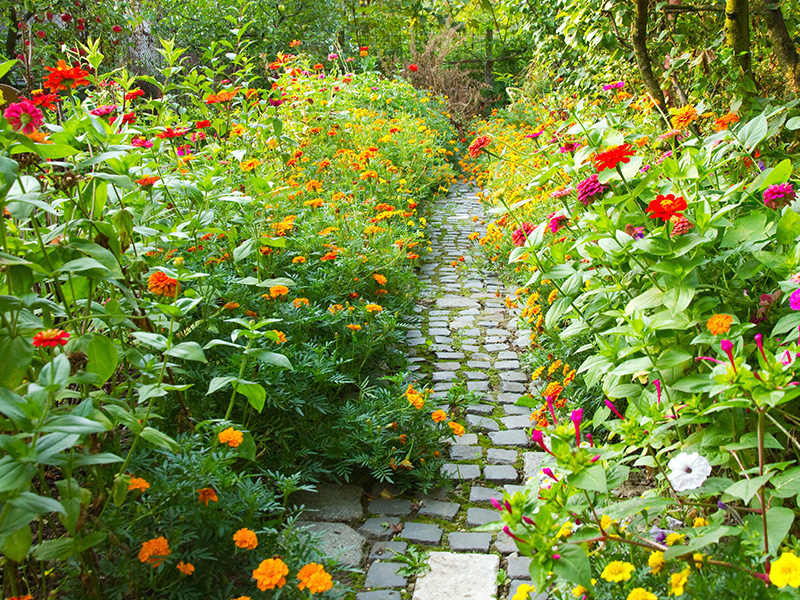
point(379, 595)
point(482, 516)
point(477, 541)
point(422, 533)
point(396, 507)
point(386, 550)
point(473, 574)
point(462, 472)
point(439, 509)
point(479, 494)
point(331, 502)
point(379, 527)
point(339, 541)
point(466, 452)
point(499, 456)
point(518, 567)
point(384, 575)
point(512, 437)
point(500, 474)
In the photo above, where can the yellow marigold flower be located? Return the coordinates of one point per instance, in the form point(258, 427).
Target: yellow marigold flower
point(570, 377)
point(249, 165)
point(271, 573)
point(617, 571)
point(185, 568)
point(354, 327)
point(552, 296)
point(719, 324)
point(785, 571)
point(238, 130)
point(685, 116)
point(334, 308)
point(457, 428)
point(373, 308)
point(674, 538)
point(579, 591)
point(552, 390)
point(314, 577)
point(281, 336)
point(315, 203)
point(298, 302)
point(328, 230)
point(414, 397)
point(697, 557)
point(243, 598)
point(137, 483)
point(206, 495)
point(153, 552)
point(523, 592)
point(606, 522)
point(298, 259)
point(379, 278)
point(641, 594)
point(245, 538)
point(554, 366)
point(656, 562)
point(278, 290)
point(438, 416)
point(231, 437)
point(677, 581)
point(700, 522)
point(537, 373)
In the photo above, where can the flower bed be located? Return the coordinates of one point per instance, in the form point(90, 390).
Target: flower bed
point(203, 296)
point(657, 263)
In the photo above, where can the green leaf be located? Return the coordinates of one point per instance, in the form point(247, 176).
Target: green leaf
point(779, 522)
point(270, 358)
point(47, 150)
point(793, 123)
point(162, 440)
point(245, 249)
point(13, 474)
point(752, 132)
point(17, 545)
point(747, 488)
point(72, 424)
point(626, 508)
point(593, 478)
point(699, 542)
point(103, 358)
point(219, 383)
point(786, 324)
point(573, 565)
point(788, 227)
point(187, 351)
point(16, 355)
point(33, 503)
point(255, 393)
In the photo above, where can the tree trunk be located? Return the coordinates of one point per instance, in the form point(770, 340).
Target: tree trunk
point(782, 45)
point(639, 42)
point(737, 32)
point(488, 73)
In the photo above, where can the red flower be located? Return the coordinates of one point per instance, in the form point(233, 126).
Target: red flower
point(666, 207)
point(478, 144)
point(412, 67)
point(61, 77)
point(613, 156)
point(148, 181)
point(171, 133)
point(202, 124)
point(50, 338)
point(127, 118)
point(133, 94)
point(46, 100)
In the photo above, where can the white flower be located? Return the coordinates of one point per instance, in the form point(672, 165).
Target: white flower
point(689, 471)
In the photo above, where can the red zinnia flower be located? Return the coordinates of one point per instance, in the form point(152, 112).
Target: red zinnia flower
point(478, 144)
point(50, 338)
point(148, 181)
point(613, 156)
point(202, 124)
point(412, 67)
point(171, 133)
point(46, 100)
point(126, 118)
point(133, 94)
point(666, 207)
point(63, 77)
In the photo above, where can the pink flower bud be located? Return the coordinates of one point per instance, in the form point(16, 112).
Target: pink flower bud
point(760, 343)
point(538, 437)
point(727, 348)
point(657, 383)
point(552, 410)
point(496, 504)
point(613, 408)
point(577, 417)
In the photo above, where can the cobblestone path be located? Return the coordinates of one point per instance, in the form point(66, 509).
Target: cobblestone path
point(465, 336)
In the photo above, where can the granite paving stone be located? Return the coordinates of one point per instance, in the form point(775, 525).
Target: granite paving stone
point(466, 452)
point(384, 575)
point(386, 550)
point(481, 516)
point(331, 502)
point(480, 409)
point(498, 456)
point(519, 567)
point(511, 437)
point(379, 595)
point(484, 424)
point(472, 541)
point(422, 533)
point(396, 507)
point(516, 422)
point(448, 570)
point(379, 527)
point(478, 494)
point(339, 541)
point(461, 472)
point(532, 463)
point(438, 509)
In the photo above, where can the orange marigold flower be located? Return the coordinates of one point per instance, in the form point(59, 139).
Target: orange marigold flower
point(298, 302)
point(330, 256)
point(206, 495)
point(379, 278)
point(725, 121)
point(719, 324)
point(354, 327)
point(457, 428)
point(278, 290)
point(299, 259)
point(292, 44)
point(412, 256)
point(249, 165)
point(162, 284)
point(153, 552)
point(373, 308)
point(271, 573)
point(314, 577)
point(478, 144)
point(245, 538)
point(220, 97)
point(315, 203)
point(666, 207)
point(314, 185)
point(684, 116)
point(552, 390)
point(231, 305)
point(62, 77)
point(613, 156)
point(414, 397)
point(137, 483)
point(148, 181)
point(185, 568)
point(50, 338)
point(438, 416)
point(231, 436)
point(281, 336)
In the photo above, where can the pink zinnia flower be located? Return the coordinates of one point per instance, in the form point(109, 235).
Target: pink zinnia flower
point(794, 300)
point(779, 195)
point(520, 235)
point(141, 143)
point(24, 116)
point(102, 111)
point(589, 189)
point(556, 223)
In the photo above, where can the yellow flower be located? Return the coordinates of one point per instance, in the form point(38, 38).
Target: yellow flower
point(617, 571)
point(698, 560)
point(523, 591)
point(370, 308)
point(249, 165)
point(354, 327)
point(298, 259)
point(537, 373)
point(785, 571)
point(565, 530)
point(641, 594)
point(656, 562)
point(700, 522)
point(579, 591)
point(674, 538)
point(298, 302)
point(606, 522)
point(677, 581)
point(281, 336)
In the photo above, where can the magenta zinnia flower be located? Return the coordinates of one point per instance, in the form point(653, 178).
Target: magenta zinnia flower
point(520, 235)
point(589, 189)
point(24, 116)
point(794, 300)
point(779, 195)
point(556, 223)
point(102, 111)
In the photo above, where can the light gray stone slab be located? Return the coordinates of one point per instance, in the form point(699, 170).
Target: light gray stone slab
point(465, 452)
point(478, 364)
point(461, 471)
point(513, 376)
point(447, 366)
point(384, 575)
point(478, 386)
point(512, 437)
point(519, 567)
point(379, 527)
point(507, 355)
point(331, 502)
point(339, 541)
point(477, 375)
point(457, 302)
point(532, 463)
point(480, 409)
point(473, 575)
point(508, 397)
point(468, 439)
point(481, 516)
point(484, 424)
point(504, 543)
point(443, 376)
point(439, 331)
point(506, 365)
point(498, 456)
point(438, 509)
point(500, 474)
point(513, 387)
point(473, 541)
point(379, 595)
point(422, 533)
point(479, 494)
point(516, 422)
point(450, 355)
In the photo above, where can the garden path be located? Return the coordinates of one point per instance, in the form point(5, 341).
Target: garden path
point(465, 336)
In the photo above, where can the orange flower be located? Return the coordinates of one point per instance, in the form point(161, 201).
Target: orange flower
point(329, 256)
point(221, 97)
point(281, 336)
point(162, 284)
point(314, 185)
point(373, 308)
point(725, 121)
point(231, 437)
point(231, 305)
point(552, 390)
point(684, 116)
point(379, 278)
point(613, 156)
point(206, 495)
point(148, 181)
point(719, 324)
point(414, 397)
point(249, 165)
point(314, 577)
point(137, 483)
point(354, 327)
point(478, 144)
point(245, 538)
point(185, 568)
point(278, 290)
point(50, 338)
point(61, 77)
point(270, 573)
point(457, 428)
point(153, 552)
point(439, 416)
point(298, 302)
point(299, 259)
point(412, 256)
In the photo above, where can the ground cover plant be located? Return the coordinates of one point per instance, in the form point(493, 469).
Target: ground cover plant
point(202, 294)
point(665, 260)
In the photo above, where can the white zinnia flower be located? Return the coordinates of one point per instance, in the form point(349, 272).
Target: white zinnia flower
point(689, 471)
